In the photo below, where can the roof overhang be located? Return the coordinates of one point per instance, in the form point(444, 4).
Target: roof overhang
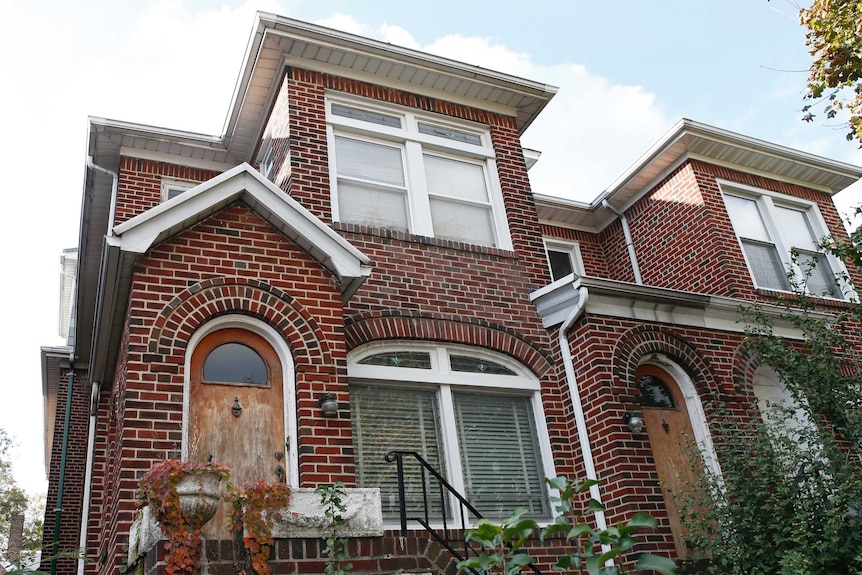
point(136, 236)
point(623, 300)
point(690, 140)
point(277, 42)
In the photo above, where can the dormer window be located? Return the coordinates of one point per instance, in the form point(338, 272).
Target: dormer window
point(397, 169)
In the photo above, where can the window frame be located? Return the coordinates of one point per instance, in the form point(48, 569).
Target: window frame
point(570, 247)
point(767, 204)
point(170, 184)
point(413, 145)
point(446, 384)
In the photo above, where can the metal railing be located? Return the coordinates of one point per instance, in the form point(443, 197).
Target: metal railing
point(460, 548)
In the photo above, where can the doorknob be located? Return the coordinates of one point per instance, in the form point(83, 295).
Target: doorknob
point(278, 455)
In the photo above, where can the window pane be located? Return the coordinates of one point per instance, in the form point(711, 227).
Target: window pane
point(654, 392)
point(818, 275)
point(476, 365)
point(235, 363)
point(794, 228)
point(414, 359)
point(455, 179)
point(462, 222)
point(746, 218)
point(767, 268)
point(561, 264)
point(366, 116)
point(385, 419)
point(369, 161)
point(370, 206)
point(500, 454)
point(450, 134)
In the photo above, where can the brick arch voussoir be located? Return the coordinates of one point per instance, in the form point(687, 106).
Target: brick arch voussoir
point(197, 304)
point(392, 325)
point(644, 340)
point(745, 364)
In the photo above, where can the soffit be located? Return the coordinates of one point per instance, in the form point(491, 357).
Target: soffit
point(278, 42)
point(689, 140)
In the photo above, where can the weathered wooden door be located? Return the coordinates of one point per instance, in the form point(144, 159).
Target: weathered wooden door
point(673, 446)
point(236, 407)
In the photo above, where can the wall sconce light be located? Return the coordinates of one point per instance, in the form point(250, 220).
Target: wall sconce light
point(328, 404)
point(635, 423)
point(236, 408)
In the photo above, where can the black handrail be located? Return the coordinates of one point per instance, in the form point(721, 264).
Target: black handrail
point(465, 507)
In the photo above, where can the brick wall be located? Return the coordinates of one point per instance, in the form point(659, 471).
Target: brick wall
point(140, 184)
point(73, 479)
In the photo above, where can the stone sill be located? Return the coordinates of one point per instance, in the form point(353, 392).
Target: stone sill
point(303, 518)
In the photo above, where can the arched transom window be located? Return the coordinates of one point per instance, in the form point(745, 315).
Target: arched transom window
point(473, 415)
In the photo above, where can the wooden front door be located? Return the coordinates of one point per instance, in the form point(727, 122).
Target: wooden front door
point(236, 407)
point(673, 446)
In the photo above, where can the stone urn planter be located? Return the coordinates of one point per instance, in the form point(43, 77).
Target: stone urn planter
point(182, 496)
point(199, 494)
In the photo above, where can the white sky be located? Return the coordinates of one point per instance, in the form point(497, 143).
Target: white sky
point(627, 71)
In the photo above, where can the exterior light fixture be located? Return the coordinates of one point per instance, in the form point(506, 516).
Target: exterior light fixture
point(635, 423)
point(328, 404)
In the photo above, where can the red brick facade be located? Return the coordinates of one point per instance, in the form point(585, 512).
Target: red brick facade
point(420, 289)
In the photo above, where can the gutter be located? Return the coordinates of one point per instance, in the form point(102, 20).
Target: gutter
point(577, 406)
point(630, 245)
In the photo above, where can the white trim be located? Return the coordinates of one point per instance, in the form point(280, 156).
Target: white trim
point(173, 159)
point(699, 425)
point(572, 247)
point(288, 380)
point(413, 145)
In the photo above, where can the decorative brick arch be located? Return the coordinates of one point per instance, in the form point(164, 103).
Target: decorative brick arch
point(399, 324)
point(644, 340)
point(179, 319)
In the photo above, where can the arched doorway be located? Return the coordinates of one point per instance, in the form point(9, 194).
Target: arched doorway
point(239, 404)
point(673, 441)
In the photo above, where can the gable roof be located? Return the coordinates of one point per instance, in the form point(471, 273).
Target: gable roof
point(243, 183)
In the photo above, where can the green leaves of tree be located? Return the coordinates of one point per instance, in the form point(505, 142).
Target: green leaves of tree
point(598, 551)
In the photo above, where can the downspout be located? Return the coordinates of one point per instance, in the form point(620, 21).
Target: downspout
point(58, 510)
point(88, 477)
point(629, 243)
point(112, 211)
point(574, 392)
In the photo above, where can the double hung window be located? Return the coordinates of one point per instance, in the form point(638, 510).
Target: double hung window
point(780, 239)
point(397, 169)
point(474, 418)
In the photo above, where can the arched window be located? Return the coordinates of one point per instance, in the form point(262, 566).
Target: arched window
point(654, 392)
point(475, 416)
point(235, 363)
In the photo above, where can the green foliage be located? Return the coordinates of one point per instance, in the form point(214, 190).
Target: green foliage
point(335, 547)
point(834, 39)
point(252, 504)
point(159, 490)
point(790, 492)
point(595, 551)
point(13, 501)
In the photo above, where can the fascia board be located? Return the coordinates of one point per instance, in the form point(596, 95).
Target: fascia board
point(652, 305)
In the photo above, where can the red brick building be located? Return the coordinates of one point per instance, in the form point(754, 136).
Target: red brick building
point(364, 231)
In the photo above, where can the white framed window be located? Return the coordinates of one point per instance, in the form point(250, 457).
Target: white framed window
point(475, 416)
point(173, 188)
point(266, 158)
point(399, 169)
point(770, 228)
point(564, 258)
